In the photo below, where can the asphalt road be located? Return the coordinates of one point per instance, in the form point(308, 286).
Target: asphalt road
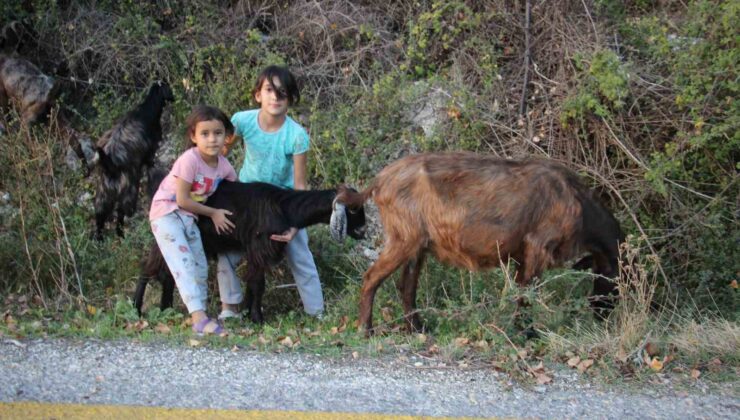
point(166, 375)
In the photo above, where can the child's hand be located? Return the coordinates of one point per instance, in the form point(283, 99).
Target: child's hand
point(222, 223)
point(286, 236)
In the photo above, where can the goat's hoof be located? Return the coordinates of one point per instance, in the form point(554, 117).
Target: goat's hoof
point(530, 333)
point(416, 327)
point(367, 331)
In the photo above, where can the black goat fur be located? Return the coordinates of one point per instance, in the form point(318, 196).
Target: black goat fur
point(259, 211)
point(124, 153)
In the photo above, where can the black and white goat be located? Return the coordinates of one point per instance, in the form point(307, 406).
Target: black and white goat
point(124, 152)
point(259, 210)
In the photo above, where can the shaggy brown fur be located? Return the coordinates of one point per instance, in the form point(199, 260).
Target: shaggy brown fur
point(25, 86)
point(474, 211)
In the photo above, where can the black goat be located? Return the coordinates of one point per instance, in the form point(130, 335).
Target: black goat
point(259, 210)
point(123, 153)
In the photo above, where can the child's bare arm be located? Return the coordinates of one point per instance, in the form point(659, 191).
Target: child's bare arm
point(222, 223)
point(300, 162)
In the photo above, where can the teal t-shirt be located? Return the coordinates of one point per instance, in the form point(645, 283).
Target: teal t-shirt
point(268, 157)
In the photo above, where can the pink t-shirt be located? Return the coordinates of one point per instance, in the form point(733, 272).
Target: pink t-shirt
point(191, 168)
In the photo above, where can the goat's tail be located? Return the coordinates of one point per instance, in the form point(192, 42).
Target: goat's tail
point(154, 267)
point(354, 199)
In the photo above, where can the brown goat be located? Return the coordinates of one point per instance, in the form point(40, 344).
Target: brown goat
point(472, 211)
point(23, 84)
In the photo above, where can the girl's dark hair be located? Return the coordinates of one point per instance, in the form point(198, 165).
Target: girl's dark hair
point(205, 113)
point(287, 81)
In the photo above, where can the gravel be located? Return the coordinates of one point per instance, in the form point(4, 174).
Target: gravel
point(131, 373)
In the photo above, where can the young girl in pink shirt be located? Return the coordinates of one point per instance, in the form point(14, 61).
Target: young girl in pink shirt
point(177, 204)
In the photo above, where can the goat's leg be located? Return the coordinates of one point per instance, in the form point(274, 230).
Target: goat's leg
point(407, 285)
point(532, 261)
point(168, 290)
point(104, 203)
point(120, 216)
point(390, 259)
point(605, 289)
point(255, 280)
point(139, 295)
point(128, 197)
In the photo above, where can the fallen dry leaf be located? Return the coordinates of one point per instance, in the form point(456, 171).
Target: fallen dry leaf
point(433, 349)
point(656, 364)
point(386, 313)
point(714, 365)
point(287, 342)
point(542, 379)
point(194, 343)
point(8, 318)
point(162, 328)
point(733, 284)
point(421, 338)
point(482, 344)
point(461, 341)
point(334, 331)
point(355, 355)
point(343, 323)
point(262, 340)
point(92, 310)
point(141, 325)
point(539, 367)
point(584, 365)
point(574, 361)
point(695, 373)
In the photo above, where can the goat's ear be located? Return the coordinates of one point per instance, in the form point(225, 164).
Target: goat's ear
point(10, 36)
point(350, 197)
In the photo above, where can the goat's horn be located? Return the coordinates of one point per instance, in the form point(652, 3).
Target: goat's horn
point(338, 222)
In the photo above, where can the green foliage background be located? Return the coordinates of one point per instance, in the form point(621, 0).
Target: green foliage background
point(640, 97)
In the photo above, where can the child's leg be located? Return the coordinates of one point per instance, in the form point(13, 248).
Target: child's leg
point(305, 274)
point(229, 284)
point(179, 240)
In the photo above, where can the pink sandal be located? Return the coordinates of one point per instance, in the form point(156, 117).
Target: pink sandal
point(208, 326)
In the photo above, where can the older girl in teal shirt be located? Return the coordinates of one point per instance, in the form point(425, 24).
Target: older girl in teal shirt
point(275, 151)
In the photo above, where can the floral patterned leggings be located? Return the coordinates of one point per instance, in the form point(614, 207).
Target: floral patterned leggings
point(179, 240)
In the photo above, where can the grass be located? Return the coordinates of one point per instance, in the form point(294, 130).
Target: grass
point(652, 162)
point(469, 317)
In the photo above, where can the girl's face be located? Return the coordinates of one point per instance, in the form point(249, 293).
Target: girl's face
point(209, 137)
point(268, 98)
